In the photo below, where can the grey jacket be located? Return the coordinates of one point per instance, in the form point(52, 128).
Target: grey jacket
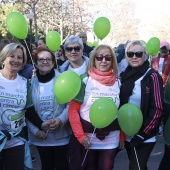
point(62, 113)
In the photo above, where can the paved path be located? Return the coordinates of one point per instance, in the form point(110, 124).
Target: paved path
point(121, 162)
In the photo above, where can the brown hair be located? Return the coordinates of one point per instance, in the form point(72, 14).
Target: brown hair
point(96, 50)
point(39, 50)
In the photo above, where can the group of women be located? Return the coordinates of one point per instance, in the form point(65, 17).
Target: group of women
point(59, 144)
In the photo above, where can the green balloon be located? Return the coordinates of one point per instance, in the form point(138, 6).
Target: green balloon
point(130, 119)
point(153, 46)
point(90, 44)
point(95, 43)
point(53, 40)
point(102, 112)
point(66, 87)
point(102, 27)
point(17, 25)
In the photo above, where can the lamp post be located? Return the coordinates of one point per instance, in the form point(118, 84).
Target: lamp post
point(30, 17)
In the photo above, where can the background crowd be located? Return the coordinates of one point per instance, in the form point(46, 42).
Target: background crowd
point(63, 133)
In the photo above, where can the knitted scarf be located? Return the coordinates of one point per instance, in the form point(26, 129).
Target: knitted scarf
point(128, 78)
point(106, 78)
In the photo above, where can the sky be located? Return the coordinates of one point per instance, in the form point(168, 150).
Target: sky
point(149, 12)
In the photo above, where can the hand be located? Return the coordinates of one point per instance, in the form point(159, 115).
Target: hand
point(33, 72)
point(46, 124)
point(121, 145)
point(41, 134)
point(86, 143)
point(136, 141)
point(55, 124)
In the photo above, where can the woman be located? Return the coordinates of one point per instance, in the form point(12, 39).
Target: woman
point(51, 144)
point(15, 104)
point(42, 42)
point(60, 56)
point(145, 89)
point(100, 79)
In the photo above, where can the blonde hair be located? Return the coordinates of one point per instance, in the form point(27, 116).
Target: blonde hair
point(136, 42)
point(96, 51)
point(9, 49)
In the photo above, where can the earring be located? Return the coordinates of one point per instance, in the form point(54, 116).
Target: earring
point(2, 65)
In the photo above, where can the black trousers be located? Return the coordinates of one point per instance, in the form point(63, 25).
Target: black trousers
point(143, 152)
point(13, 158)
point(165, 162)
point(53, 157)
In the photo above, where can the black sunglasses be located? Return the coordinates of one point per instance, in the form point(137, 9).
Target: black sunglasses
point(138, 54)
point(76, 49)
point(100, 57)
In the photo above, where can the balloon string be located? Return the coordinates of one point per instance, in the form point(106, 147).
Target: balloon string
point(87, 149)
point(30, 54)
point(53, 118)
point(137, 158)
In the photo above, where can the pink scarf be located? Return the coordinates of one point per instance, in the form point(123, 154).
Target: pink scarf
point(106, 78)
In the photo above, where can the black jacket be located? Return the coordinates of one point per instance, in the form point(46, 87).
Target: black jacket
point(151, 103)
point(87, 49)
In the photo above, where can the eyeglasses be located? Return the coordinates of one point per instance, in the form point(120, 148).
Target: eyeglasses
point(138, 54)
point(41, 60)
point(100, 57)
point(76, 49)
point(82, 37)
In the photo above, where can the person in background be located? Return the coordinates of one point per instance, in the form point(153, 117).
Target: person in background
point(121, 60)
point(27, 70)
point(99, 79)
point(76, 62)
point(3, 43)
point(51, 144)
point(161, 63)
point(165, 163)
point(145, 90)
point(42, 42)
point(33, 47)
point(16, 104)
point(60, 56)
point(86, 49)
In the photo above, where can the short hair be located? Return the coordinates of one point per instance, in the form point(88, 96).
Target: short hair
point(43, 39)
point(83, 34)
point(136, 42)
point(39, 50)
point(9, 49)
point(73, 39)
point(97, 50)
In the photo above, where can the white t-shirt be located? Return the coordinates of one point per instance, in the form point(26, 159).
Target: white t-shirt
point(13, 98)
point(94, 90)
point(80, 70)
point(46, 96)
point(160, 67)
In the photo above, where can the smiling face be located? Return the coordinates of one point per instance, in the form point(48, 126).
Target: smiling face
point(136, 61)
point(103, 65)
point(44, 62)
point(14, 62)
point(74, 55)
